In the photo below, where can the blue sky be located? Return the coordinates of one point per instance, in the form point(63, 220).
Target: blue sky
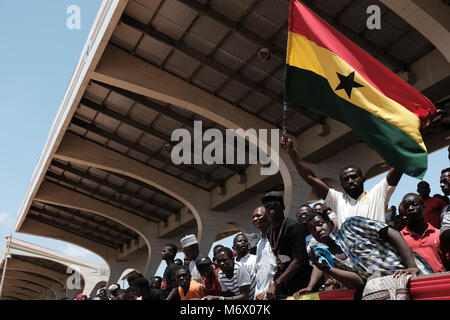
point(38, 57)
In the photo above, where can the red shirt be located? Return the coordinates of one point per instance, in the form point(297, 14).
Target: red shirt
point(214, 288)
point(432, 213)
point(427, 245)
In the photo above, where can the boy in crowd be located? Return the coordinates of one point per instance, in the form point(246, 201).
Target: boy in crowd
point(188, 288)
point(432, 205)
point(240, 244)
point(420, 235)
point(236, 282)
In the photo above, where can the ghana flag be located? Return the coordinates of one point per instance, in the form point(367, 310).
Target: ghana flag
point(327, 72)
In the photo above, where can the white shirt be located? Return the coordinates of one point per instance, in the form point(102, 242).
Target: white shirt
point(249, 260)
point(265, 265)
point(370, 204)
point(195, 274)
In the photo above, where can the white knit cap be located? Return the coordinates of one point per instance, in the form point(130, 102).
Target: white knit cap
point(113, 287)
point(188, 240)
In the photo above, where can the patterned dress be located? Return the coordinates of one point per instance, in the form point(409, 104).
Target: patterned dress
point(371, 255)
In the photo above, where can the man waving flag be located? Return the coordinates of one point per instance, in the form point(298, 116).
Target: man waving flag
point(327, 72)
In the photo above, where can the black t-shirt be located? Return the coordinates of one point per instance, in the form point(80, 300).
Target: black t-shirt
point(169, 280)
point(292, 239)
point(154, 294)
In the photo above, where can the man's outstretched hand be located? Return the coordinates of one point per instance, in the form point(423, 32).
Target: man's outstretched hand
point(286, 144)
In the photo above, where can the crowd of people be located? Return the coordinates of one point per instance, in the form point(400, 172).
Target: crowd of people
point(345, 241)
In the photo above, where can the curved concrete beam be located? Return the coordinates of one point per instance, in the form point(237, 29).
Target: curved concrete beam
point(52, 193)
point(32, 294)
point(42, 292)
point(38, 228)
point(55, 286)
point(86, 153)
point(430, 17)
point(11, 274)
point(125, 71)
point(18, 292)
point(90, 276)
point(17, 265)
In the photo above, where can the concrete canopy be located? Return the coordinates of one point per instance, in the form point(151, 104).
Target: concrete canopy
point(48, 274)
point(153, 66)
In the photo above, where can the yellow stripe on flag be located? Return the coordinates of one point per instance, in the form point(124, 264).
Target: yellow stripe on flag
point(309, 296)
point(305, 54)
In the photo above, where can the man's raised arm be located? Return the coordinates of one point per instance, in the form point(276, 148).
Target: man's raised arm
point(305, 172)
point(393, 177)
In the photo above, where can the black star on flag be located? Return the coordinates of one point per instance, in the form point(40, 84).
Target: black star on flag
point(347, 83)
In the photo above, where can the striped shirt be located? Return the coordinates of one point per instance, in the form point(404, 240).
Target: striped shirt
point(241, 277)
point(359, 239)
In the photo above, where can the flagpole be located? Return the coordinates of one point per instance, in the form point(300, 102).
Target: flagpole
point(7, 255)
point(284, 133)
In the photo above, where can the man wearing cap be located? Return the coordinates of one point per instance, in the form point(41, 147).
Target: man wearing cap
point(210, 275)
point(191, 252)
point(115, 291)
point(287, 239)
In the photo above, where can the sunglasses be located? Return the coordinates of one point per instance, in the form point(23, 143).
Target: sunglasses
point(272, 204)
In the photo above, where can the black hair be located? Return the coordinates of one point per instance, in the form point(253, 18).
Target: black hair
point(131, 289)
point(173, 248)
point(304, 205)
point(415, 195)
point(445, 170)
point(135, 275)
point(358, 170)
point(227, 251)
point(185, 268)
point(142, 283)
point(423, 183)
point(217, 248)
point(238, 235)
point(324, 216)
point(156, 277)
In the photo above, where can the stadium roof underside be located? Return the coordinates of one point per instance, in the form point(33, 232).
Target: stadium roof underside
point(105, 180)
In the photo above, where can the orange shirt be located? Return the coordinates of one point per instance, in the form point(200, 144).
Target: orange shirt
point(195, 291)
